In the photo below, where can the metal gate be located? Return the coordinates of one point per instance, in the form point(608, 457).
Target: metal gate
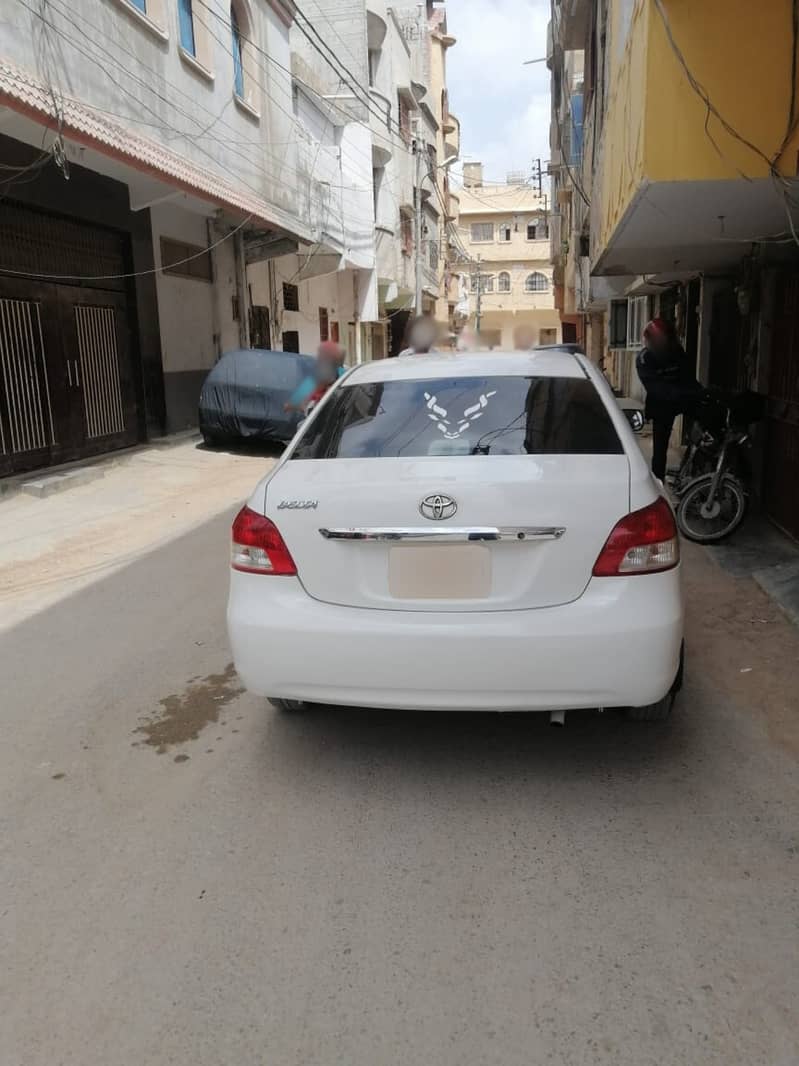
point(66, 374)
point(781, 482)
point(29, 422)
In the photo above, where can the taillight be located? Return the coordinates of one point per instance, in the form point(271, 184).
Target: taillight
point(643, 542)
point(258, 547)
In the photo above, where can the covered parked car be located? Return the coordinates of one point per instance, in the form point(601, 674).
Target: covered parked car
point(461, 532)
point(244, 396)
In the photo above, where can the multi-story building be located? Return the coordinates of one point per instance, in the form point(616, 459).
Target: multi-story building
point(152, 155)
point(395, 84)
point(504, 230)
point(179, 179)
point(682, 199)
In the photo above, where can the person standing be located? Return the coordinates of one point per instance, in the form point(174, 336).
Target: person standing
point(329, 368)
point(668, 377)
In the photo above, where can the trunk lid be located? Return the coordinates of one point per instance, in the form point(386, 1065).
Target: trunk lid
point(436, 512)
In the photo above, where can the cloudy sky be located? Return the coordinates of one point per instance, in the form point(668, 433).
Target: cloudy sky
point(503, 106)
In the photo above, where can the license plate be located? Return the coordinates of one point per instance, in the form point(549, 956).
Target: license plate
point(440, 572)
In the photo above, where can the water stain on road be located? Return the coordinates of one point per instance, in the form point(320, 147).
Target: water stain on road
point(183, 717)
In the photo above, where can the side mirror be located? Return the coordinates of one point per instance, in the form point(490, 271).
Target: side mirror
point(636, 419)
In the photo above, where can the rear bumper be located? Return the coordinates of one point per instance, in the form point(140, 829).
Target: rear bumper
point(618, 645)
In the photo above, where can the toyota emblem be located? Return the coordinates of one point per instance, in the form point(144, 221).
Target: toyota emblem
point(438, 507)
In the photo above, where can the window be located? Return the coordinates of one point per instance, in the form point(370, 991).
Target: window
point(536, 282)
point(505, 231)
point(482, 232)
point(433, 248)
point(324, 324)
point(486, 282)
point(238, 52)
point(517, 416)
point(140, 5)
point(537, 230)
point(291, 341)
point(406, 225)
point(291, 297)
point(185, 260)
point(186, 26)
point(637, 318)
point(404, 118)
point(260, 333)
point(618, 324)
point(503, 282)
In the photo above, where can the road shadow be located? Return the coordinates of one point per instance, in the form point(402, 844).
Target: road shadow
point(251, 449)
point(472, 748)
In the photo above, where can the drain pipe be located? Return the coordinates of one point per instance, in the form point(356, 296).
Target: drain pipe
point(557, 718)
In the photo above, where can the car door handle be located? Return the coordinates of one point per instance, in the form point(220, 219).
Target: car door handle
point(450, 535)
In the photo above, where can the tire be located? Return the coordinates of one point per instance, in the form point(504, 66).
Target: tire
point(660, 711)
point(730, 508)
point(287, 706)
point(655, 712)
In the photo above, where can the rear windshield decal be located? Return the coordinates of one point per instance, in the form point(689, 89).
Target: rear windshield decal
point(439, 415)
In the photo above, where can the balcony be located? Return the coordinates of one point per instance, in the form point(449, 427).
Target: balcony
point(454, 207)
point(380, 125)
point(452, 135)
point(376, 24)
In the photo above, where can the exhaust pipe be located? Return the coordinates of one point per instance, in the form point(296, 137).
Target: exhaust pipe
point(557, 718)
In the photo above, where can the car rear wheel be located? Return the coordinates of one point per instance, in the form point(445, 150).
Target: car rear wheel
point(654, 712)
point(287, 706)
point(660, 711)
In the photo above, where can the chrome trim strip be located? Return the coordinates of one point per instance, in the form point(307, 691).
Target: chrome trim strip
point(451, 535)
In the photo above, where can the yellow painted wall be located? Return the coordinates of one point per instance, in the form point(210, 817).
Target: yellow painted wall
point(621, 140)
point(741, 54)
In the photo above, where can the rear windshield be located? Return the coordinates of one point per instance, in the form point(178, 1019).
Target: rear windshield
point(461, 416)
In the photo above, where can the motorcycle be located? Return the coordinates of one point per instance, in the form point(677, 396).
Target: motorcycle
point(712, 481)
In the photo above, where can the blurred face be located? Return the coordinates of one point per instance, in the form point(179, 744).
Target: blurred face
point(423, 334)
point(657, 341)
point(326, 371)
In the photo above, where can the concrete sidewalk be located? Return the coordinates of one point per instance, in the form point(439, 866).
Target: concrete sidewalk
point(51, 546)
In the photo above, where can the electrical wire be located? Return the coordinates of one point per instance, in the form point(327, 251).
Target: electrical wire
point(702, 93)
point(134, 274)
point(176, 89)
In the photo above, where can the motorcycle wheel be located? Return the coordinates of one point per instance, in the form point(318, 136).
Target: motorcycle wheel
point(708, 525)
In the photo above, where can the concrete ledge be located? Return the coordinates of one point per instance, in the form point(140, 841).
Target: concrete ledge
point(781, 582)
point(52, 483)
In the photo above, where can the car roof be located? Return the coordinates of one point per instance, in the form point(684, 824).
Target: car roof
point(547, 363)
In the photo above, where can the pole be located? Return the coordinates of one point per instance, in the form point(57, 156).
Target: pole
point(478, 316)
point(356, 300)
point(241, 289)
point(417, 151)
point(539, 178)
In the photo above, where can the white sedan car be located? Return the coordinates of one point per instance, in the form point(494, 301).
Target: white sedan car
point(461, 532)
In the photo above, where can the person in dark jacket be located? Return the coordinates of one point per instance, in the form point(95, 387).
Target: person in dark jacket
point(666, 373)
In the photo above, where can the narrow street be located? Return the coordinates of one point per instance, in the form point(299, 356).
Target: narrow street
point(190, 877)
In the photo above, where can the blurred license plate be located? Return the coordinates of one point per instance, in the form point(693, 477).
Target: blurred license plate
point(440, 572)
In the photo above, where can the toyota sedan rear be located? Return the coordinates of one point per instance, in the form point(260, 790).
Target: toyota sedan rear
point(461, 532)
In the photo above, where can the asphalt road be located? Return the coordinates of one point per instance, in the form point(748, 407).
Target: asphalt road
point(188, 877)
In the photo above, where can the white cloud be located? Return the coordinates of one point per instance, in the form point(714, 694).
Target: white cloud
point(502, 104)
